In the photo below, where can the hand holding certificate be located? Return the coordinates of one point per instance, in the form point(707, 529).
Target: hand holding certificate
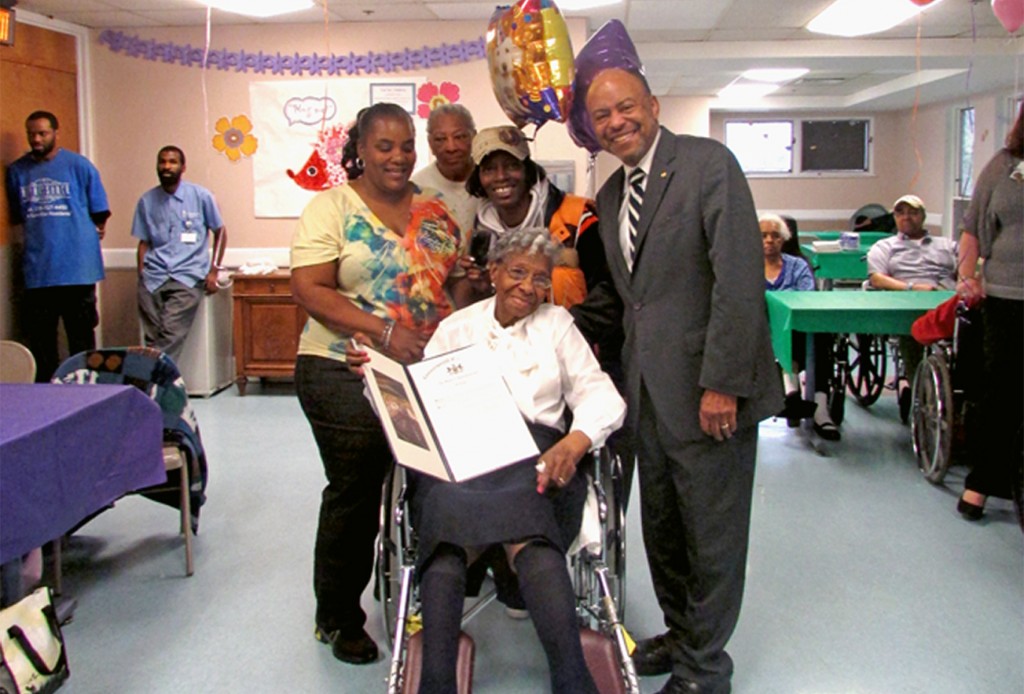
point(450, 416)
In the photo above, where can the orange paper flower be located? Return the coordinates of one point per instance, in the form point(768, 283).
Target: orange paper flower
point(234, 137)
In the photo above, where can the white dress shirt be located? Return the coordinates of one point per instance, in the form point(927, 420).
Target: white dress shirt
point(545, 363)
point(644, 164)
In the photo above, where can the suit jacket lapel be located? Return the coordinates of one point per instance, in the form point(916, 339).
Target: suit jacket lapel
point(609, 204)
point(657, 183)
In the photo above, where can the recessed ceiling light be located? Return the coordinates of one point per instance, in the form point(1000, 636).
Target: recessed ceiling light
point(775, 75)
point(860, 17)
point(258, 8)
point(746, 91)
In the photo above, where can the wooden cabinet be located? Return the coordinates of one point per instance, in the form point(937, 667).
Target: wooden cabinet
point(267, 326)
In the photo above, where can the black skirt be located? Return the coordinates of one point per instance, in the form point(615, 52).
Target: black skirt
point(502, 506)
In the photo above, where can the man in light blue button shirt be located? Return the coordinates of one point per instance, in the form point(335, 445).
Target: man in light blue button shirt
point(173, 223)
point(912, 260)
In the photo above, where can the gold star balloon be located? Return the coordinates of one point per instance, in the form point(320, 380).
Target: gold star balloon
point(530, 59)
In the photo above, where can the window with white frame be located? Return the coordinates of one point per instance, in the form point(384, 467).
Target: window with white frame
point(965, 152)
point(801, 146)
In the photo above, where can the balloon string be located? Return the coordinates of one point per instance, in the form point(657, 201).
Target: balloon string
point(970, 62)
point(327, 51)
point(206, 95)
point(917, 102)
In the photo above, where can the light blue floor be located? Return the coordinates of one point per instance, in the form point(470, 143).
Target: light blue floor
point(861, 579)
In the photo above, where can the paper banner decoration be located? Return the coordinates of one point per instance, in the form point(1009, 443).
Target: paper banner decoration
point(276, 63)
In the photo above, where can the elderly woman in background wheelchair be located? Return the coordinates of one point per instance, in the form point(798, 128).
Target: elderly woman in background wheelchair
point(532, 508)
point(784, 271)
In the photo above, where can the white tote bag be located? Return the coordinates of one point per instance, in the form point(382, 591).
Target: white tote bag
point(32, 657)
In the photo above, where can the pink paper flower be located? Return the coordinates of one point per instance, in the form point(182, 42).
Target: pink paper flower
point(431, 97)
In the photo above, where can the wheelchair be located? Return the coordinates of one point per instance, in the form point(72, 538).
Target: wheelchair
point(942, 403)
point(597, 565)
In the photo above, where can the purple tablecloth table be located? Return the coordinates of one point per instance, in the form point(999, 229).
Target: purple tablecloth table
point(66, 451)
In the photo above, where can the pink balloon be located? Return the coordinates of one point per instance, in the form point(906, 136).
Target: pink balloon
point(922, 3)
point(1010, 13)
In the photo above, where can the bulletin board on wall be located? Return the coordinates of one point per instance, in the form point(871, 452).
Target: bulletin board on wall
point(297, 123)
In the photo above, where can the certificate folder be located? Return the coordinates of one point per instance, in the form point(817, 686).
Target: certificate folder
point(450, 416)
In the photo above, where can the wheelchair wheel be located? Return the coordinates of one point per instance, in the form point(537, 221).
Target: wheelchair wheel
point(392, 550)
point(840, 378)
point(611, 557)
point(615, 527)
point(866, 368)
point(931, 425)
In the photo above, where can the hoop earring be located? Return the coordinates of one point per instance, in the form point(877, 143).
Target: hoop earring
point(359, 163)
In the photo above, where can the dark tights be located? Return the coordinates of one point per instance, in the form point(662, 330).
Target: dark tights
point(547, 591)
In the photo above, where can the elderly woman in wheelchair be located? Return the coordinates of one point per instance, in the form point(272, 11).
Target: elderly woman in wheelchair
point(532, 508)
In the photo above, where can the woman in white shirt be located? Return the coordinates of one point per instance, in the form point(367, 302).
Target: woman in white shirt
point(532, 509)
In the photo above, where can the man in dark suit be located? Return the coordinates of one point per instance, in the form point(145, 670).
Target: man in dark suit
point(689, 289)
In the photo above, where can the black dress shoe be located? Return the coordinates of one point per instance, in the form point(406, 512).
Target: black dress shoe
point(969, 511)
point(681, 685)
point(796, 409)
point(357, 649)
point(828, 431)
point(653, 656)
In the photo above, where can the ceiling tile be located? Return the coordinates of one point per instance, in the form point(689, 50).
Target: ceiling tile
point(384, 12)
point(673, 14)
point(114, 18)
point(462, 11)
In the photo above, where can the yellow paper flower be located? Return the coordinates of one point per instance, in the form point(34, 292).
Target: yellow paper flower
point(234, 137)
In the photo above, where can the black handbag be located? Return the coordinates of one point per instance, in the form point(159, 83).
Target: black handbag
point(32, 655)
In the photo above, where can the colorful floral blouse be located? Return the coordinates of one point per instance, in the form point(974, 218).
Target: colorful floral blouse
point(400, 277)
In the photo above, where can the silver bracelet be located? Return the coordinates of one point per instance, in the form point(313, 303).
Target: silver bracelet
point(385, 334)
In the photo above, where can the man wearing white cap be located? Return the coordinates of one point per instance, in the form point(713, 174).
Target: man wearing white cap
point(912, 260)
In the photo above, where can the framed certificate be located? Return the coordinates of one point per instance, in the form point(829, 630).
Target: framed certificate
point(403, 94)
point(450, 416)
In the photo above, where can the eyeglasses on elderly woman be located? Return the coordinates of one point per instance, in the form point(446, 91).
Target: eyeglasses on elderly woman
point(519, 274)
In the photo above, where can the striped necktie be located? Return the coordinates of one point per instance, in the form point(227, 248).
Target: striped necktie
point(636, 201)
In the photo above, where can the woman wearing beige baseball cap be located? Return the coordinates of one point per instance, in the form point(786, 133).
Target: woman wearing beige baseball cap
point(518, 195)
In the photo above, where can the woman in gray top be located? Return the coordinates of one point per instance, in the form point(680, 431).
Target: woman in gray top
point(994, 231)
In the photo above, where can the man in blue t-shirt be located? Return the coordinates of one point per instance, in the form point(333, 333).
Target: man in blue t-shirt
point(58, 198)
point(173, 222)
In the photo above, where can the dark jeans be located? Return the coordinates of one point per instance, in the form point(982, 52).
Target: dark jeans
point(1002, 409)
point(356, 458)
point(44, 307)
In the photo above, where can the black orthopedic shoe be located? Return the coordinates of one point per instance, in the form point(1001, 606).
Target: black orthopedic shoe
point(653, 656)
point(357, 649)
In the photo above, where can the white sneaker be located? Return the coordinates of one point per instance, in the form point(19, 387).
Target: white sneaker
point(513, 613)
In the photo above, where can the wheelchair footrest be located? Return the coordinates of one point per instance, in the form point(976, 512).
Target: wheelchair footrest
point(414, 662)
point(602, 661)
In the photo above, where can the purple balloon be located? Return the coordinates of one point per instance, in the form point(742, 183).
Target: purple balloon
point(609, 47)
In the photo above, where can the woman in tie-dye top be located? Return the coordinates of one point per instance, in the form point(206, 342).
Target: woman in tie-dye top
point(371, 256)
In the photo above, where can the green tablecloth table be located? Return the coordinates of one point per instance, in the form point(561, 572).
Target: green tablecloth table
point(867, 238)
point(869, 312)
point(840, 265)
